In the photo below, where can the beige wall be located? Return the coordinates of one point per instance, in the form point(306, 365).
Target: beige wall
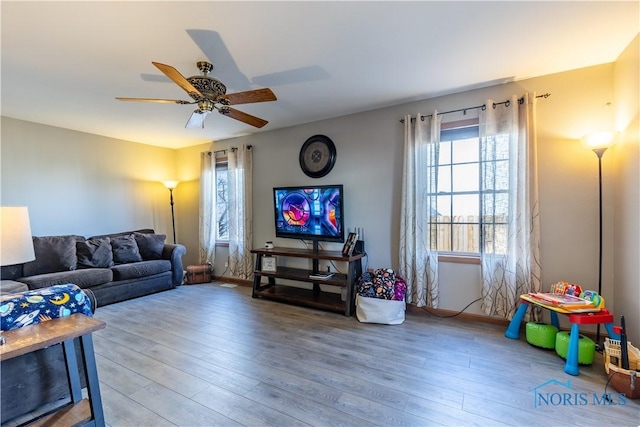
point(85, 184)
point(188, 193)
point(77, 183)
point(626, 155)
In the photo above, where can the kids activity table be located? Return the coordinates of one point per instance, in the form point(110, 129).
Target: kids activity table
point(597, 316)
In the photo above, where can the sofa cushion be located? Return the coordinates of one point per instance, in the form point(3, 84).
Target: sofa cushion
point(94, 253)
point(53, 253)
point(124, 233)
point(150, 245)
point(11, 272)
point(40, 305)
point(140, 269)
point(12, 287)
point(125, 249)
point(84, 277)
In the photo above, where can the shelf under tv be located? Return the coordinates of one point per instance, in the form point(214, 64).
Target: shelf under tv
point(304, 297)
point(302, 275)
point(314, 297)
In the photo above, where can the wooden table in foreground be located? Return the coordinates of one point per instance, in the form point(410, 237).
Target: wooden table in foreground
point(576, 319)
point(85, 412)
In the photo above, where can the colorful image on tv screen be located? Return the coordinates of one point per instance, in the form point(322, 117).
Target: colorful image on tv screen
point(308, 211)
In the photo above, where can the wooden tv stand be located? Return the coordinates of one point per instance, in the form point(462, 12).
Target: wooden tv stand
point(315, 297)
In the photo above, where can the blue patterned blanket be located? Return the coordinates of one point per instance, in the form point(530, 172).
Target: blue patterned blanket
point(39, 305)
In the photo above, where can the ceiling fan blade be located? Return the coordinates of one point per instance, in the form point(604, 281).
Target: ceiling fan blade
point(166, 101)
point(257, 95)
point(196, 120)
point(243, 117)
point(178, 78)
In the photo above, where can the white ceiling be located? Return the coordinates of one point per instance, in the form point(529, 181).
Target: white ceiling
point(63, 63)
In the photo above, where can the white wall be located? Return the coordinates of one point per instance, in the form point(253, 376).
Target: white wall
point(78, 183)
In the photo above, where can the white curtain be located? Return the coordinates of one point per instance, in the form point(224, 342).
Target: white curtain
point(207, 217)
point(240, 176)
point(418, 245)
point(510, 250)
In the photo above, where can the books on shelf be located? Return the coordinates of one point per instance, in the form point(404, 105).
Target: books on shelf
point(321, 275)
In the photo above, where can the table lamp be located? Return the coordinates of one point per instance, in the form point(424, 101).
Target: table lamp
point(16, 243)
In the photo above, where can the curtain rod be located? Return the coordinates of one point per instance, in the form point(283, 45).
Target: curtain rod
point(226, 149)
point(211, 153)
point(482, 107)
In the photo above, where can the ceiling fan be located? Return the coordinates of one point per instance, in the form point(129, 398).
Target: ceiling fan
point(209, 94)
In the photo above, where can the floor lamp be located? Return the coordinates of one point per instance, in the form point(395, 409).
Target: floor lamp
point(599, 143)
point(171, 185)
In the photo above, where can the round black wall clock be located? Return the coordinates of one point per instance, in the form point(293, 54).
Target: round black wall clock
point(317, 156)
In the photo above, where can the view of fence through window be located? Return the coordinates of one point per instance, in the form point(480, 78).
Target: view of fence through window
point(457, 225)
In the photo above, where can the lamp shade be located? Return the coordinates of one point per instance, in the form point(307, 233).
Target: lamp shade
point(171, 184)
point(16, 243)
point(600, 140)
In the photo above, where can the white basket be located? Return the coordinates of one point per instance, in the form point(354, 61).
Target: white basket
point(377, 310)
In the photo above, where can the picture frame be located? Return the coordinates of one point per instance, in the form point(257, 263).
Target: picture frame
point(349, 244)
point(269, 264)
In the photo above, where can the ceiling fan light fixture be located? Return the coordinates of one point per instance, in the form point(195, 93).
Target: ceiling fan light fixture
point(204, 105)
point(196, 121)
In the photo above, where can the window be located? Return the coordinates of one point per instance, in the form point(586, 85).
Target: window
point(222, 201)
point(468, 184)
point(458, 199)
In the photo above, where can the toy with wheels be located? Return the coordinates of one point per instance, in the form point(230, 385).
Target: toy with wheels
point(586, 347)
point(541, 335)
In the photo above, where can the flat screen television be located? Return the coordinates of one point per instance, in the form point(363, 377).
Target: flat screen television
point(312, 212)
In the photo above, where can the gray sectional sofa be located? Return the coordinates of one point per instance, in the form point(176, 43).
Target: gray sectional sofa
point(115, 267)
point(110, 268)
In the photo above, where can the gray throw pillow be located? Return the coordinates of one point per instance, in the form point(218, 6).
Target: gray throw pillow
point(150, 245)
point(53, 254)
point(94, 253)
point(125, 249)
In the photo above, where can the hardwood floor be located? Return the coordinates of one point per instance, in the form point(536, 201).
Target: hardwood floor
point(206, 355)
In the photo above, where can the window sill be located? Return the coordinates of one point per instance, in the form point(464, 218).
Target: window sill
point(459, 259)
point(222, 244)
